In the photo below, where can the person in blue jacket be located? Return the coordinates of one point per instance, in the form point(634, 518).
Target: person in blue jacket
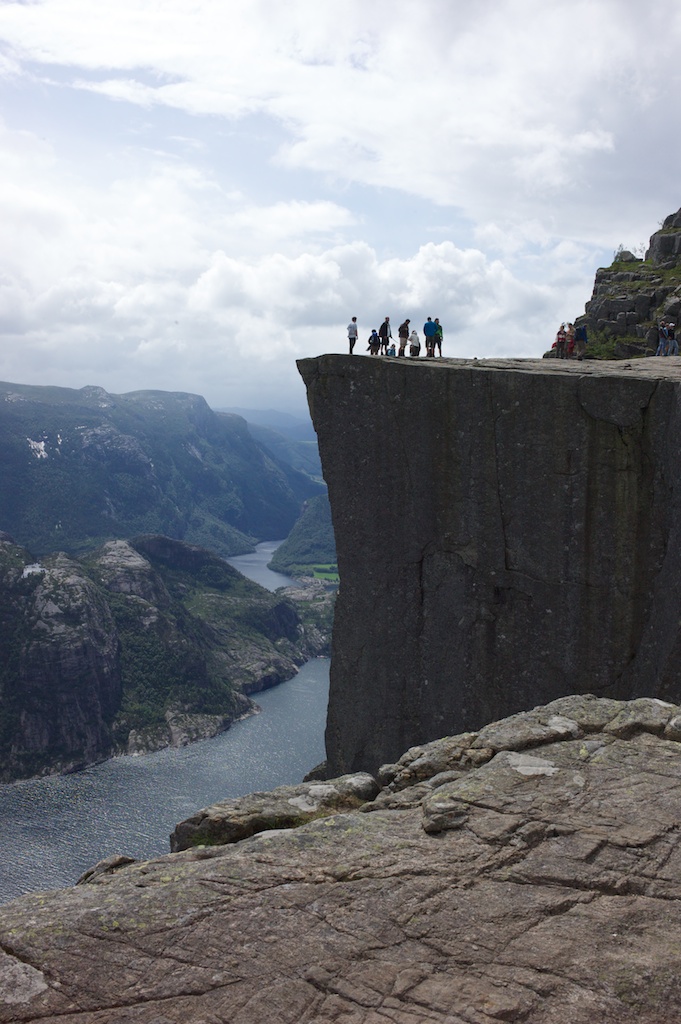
point(430, 330)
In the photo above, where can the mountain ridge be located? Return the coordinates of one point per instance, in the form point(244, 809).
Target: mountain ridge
point(86, 466)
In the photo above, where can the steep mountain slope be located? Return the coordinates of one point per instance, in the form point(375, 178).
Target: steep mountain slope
point(82, 467)
point(310, 542)
point(301, 455)
point(139, 645)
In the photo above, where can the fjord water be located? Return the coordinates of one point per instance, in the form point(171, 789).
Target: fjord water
point(53, 829)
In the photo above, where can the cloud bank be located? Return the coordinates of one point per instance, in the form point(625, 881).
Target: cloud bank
point(196, 194)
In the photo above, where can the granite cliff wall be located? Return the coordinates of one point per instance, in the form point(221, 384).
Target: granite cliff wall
point(507, 533)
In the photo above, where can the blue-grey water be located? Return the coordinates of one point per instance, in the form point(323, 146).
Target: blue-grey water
point(255, 566)
point(53, 829)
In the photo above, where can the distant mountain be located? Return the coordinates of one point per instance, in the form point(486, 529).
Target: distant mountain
point(138, 645)
point(292, 427)
point(300, 455)
point(311, 541)
point(82, 467)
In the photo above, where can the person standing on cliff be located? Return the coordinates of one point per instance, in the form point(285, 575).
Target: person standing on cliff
point(663, 337)
point(429, 334)
point(352, 333)
point(385, 334)
point(403, 335)
point(561, 339)
point(570, 340)
point(438, 337)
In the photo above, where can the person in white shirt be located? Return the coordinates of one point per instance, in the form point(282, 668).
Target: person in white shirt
point(352, 333)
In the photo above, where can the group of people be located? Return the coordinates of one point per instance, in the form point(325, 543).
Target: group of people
point(380, 342)
point(570, 341)
point(667, 344)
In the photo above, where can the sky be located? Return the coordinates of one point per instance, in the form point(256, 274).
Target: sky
point(195, 193)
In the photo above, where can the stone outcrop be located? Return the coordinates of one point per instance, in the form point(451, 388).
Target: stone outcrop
point(632, 295)
point(527, 872)
point(507, 532)
point(285, 807)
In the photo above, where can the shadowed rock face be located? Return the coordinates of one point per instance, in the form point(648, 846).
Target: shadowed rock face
point(507, 532)
point(529, 872)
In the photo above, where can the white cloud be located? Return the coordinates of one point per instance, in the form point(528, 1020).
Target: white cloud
point(202, 191)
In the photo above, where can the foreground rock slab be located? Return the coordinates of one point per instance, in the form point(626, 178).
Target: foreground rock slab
point(541, 885)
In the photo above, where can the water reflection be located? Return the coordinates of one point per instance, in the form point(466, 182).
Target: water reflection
point(53, 829)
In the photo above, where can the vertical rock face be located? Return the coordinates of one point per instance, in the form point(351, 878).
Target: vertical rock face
point(507, 532)
point(60, 681)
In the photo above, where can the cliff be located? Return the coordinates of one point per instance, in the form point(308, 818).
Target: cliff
point(529, 872)
point(507, 532)
point(140, 645)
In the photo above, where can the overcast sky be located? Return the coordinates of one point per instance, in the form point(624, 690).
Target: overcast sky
point(194, 193)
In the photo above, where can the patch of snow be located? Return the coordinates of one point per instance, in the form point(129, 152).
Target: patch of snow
point(38, 448)
point(31, 570)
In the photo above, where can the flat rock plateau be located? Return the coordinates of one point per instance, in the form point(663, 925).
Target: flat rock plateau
point(529, 871)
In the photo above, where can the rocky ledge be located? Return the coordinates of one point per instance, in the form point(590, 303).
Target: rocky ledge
point(530, 871)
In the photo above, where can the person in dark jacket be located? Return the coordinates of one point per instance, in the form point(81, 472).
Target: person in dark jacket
point(385, 334)
point(403, 335)
point(438, 337)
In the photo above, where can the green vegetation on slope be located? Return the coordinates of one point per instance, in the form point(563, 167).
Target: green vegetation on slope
point(139, 638)
point(311, 542)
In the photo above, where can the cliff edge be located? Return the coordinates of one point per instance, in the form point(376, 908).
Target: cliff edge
point(507, 533)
